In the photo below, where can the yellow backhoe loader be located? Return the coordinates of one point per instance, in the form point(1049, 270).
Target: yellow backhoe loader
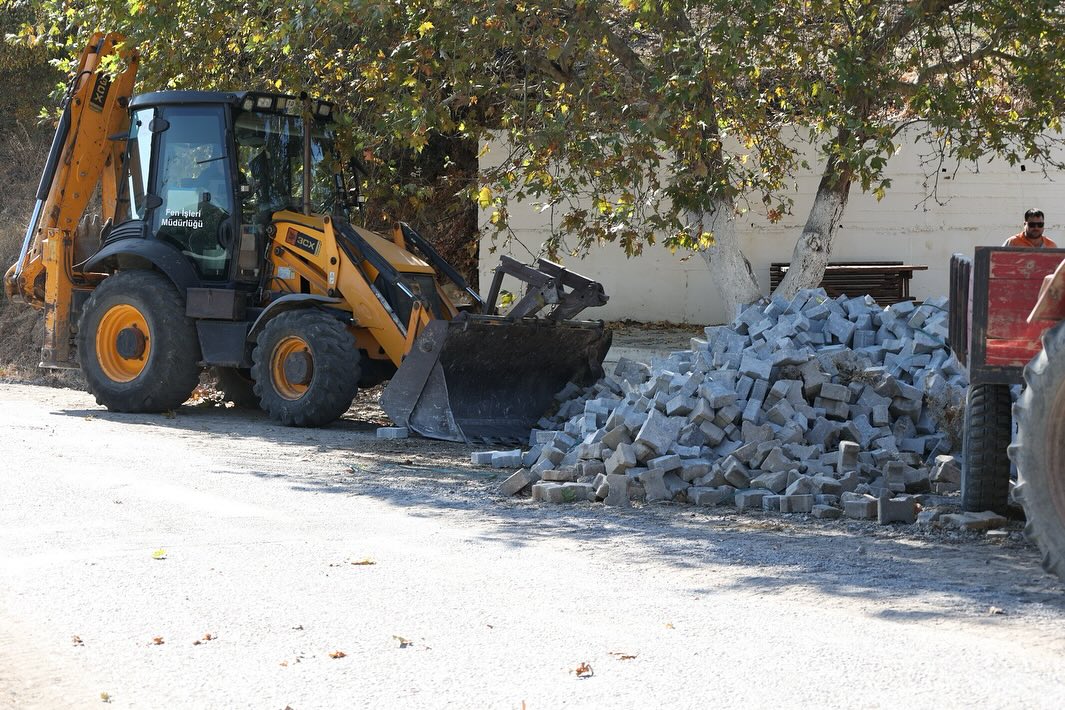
point(226, 241)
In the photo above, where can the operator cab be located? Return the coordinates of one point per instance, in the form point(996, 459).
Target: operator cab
point(206, 171)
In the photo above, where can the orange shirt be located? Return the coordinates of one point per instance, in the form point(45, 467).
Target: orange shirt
point(1019, 240)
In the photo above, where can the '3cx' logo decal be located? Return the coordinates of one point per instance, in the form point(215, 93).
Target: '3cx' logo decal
point(99, 92)
point(302, 241)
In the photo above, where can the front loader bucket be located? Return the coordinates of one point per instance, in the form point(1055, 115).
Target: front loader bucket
point(484, 378)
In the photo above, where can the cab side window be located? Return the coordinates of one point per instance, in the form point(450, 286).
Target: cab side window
point(193, 181)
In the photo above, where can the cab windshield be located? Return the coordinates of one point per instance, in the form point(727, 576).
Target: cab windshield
point(270, 160)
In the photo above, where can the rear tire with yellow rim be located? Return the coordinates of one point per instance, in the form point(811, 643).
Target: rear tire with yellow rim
point(137, 349)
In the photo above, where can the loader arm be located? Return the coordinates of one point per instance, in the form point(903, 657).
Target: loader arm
point(83, 154)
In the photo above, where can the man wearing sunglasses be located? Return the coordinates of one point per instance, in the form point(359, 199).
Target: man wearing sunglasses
point(1032, 236)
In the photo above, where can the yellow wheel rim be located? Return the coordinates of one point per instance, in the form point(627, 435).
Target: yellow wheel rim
point(118, 366)
point(285, 387)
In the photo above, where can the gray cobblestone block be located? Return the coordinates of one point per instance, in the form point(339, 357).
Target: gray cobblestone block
point(691, 435)
point(849, 481)
point(659, 432)
point(826, 512)
point(755, 367)
point(823, 433)
point(541, 466)
point(826, 485)
point(680, 406)
point(692, 469)
point(796, 503)
point(668, 462)
point(560, 475)
point(615, 436)
point(713, 433)
point(547, 492)
point(743, 387)
point(750, 498)
point(896, 510)
point(592, 468)
point(771, 503)
point(736, 473)
point(840, 393)
point(392, 432)
point(895, 476)
point(506, 459)
point(674, 483)
point(744, 453)
point(552, 454)
point(946, 470)
point(704, 495)
point(834, 409)
point(827, 499)
point(840, 328)
point(623, 458)
point(590, 451)
point(643, 452)
point(617, 490)
point(776, 460)
point(753, 412)
point(848, 456)
point(775, 481)
point(727, 415)
point(781, 412)
point(481, 458)
point(864, 508)
point(517, 482)
point(803, 485)
point(578, 492)
point(702, 412)
point(985, 520)
point(530, 457)
point(654, 486)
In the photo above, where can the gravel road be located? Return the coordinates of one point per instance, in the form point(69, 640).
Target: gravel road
point(212, 559)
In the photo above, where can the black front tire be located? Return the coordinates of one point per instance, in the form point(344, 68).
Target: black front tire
point(137, 349)
point(330, 364)
point(985, 479)
point(1040, 450)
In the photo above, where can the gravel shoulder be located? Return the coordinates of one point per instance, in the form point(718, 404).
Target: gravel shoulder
point(291, 547)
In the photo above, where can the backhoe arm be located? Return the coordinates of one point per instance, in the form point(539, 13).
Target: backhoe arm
point(84, 152)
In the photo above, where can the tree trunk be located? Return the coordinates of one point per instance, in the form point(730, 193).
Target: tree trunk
point(729, 268)
point(814, 246)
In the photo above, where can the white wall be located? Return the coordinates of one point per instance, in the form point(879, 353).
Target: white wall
point(973, 208)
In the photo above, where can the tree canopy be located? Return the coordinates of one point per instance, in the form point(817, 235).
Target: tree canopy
point(633, 121)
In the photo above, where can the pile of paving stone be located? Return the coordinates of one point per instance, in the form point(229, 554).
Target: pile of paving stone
point(811, 405)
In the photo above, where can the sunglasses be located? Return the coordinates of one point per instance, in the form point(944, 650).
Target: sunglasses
point(1035, 224)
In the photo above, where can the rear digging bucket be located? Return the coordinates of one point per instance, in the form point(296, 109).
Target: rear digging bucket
point(483, 378)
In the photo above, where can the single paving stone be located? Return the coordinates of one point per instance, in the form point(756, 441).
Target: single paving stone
point(617, 490)
point(896, 510)
point(750, 498)
point(864, 508)
point(826, 512)
point(653, 485)
point(518, 482)
point(796, 503)
point(986, 520)
point(392, 432)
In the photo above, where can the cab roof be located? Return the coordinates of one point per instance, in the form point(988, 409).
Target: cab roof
point(250, 100)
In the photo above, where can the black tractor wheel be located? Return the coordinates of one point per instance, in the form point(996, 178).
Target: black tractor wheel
point(306, 368)
point(985, 477)
point(236, 386)
point(1040, 450)
point(137, 349)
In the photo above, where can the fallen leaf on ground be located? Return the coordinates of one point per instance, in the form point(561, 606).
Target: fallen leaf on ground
point(995, 610)
point(623, 656)
point(105, 697)
point(284, 664)
point(584, 670)
point(206, 637)
point(403, 643)
point(337, 654)
point(669, 625)
point(366, 561)
point(77, 640)
point(159, 554)
point(158, 641)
